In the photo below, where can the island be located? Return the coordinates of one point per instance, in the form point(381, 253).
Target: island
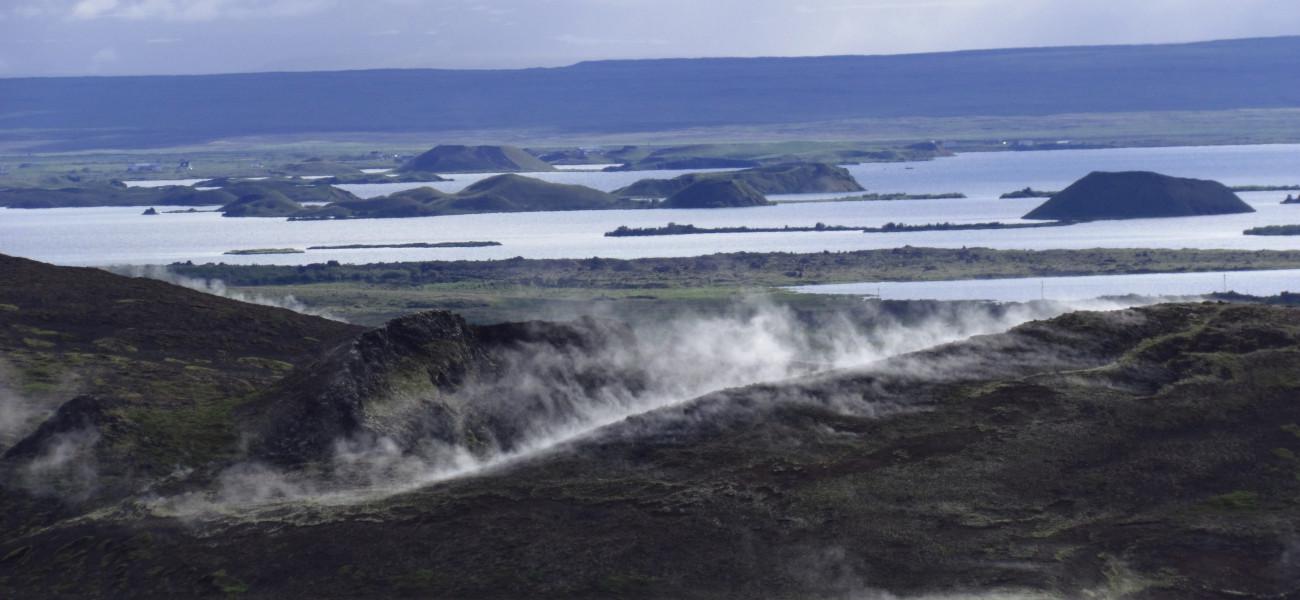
point(790, 178)
point(256, 251)
point(1138, 195)
point(150, 212)
point(1274, 230)
point(1291, 199)
point(270, 203)
point(1027, 193)
point(676, 229)
point(497, 194)
point(716, 193)
point(112, 193)
point(475, 159)
point(879, 197)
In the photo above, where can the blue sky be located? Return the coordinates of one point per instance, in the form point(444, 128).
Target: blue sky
point(114, 37)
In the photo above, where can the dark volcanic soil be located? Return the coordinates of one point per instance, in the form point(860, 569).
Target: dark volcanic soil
point(1146, 453)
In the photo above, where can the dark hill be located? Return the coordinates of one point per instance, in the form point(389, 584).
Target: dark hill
point(278, 197)
point(500, 193)
point(792, 178)
point(1138, 195)
point(656, 95)
point(475, 159)
point(160, 365)
point(110, 194)
point(1137, 454)
point(716, 193)
point(268, 203)
point(432, 378)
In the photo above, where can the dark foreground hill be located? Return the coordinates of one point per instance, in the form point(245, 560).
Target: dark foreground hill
point(475, 159)
point(1147, 453)
point(656, 95)
point(156, 366)
point(1138, 195)
point(792, 178)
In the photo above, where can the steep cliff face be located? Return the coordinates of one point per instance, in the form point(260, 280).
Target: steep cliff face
point(430, 378)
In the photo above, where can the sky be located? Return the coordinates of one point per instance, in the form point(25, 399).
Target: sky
point(134, 37)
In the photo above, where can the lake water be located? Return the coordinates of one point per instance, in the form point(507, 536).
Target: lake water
point(102, 236)
point(1258, 283)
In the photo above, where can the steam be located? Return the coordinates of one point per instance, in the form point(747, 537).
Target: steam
point(217, 287)
point(18, 416)
point(679, 360)
point(21, 414)
point(65, 467)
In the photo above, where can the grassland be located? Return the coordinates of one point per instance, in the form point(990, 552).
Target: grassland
point(513, 289)
point(344, 154)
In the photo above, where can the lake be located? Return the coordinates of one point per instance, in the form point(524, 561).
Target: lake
point(103, 236)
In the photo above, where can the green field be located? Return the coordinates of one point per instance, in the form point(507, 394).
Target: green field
point(519, 289)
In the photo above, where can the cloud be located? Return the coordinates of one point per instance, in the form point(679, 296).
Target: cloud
point(578, 40)
point(104, 56)
point(92, 9)
point(193, 10)
point(332, 34)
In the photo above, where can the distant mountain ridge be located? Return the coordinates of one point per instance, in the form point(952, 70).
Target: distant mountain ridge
point(651, 95)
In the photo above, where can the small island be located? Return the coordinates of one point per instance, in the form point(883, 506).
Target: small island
point(1274, 230)
point(676, 229)
point(112, 193)
point(150, 212)
point(879, 197)
point(410, 245)
point(498, 194)
point(1138, 195)
point(790, 178)
point(1027, 193)
point(716, 193)
point(1290, 199)
point(256, 251)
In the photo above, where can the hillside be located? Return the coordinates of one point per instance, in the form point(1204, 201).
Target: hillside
point(715, 193)
point(1138, 195)
point(1144, 453)
point(109, 194)
point(158, 367)
point(793, 178)
point(656, 95)
point(475, 159)
point(500, 193)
